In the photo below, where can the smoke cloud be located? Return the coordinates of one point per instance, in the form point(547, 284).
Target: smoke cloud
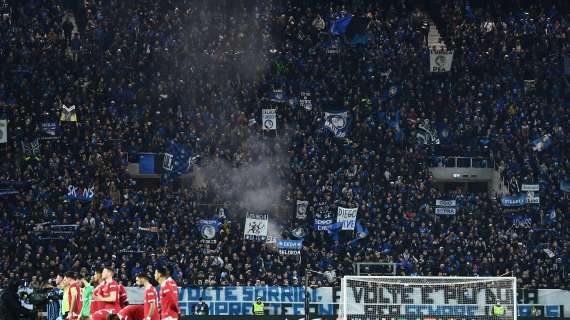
point(255, 180)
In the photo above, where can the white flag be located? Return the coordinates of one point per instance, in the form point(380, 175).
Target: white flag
point(269, 119)
point(3, 131)
point(530, 187)
point(446, 211)
point(440, 61)
point(256, 227)
point(347, 216)
point(302, 206)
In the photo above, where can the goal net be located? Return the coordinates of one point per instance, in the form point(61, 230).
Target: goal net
point(452, 298)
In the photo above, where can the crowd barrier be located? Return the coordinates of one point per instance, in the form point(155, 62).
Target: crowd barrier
point(324, 301)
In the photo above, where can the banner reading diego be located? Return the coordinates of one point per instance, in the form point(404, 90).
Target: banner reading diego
point(347, 216)
point(440, 60)
point(289, 247)
point(256, 226)
point(269, 119)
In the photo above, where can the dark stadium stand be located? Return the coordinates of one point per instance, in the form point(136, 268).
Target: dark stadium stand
point(186, 81)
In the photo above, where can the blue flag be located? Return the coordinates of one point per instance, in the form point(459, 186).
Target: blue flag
point(542, 143)
point(278, 95)
point(514, 201)
point(298, 233)
point(334, 230)
point(178, 159)
point(337, 123)
point(565, 186)
point(340, 25)
point(209, 230)
point(361, 233)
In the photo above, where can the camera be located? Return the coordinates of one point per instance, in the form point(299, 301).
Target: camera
point(33, 298)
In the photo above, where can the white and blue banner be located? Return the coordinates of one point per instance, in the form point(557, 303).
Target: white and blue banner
point(269, 119)
point(445, 207)
point(278, 95)
point(440, 60)
point(522, 221)
point(445, 211)
point(289, 247)
point(337, 123)
point(324, 301)
point(209, 230)
point(514, 201)
point(445, 203)
point(3, 131)
point(322, 224)
point(530, 187)
point(81, 194)
point(347, 217)
point(302, 206)
point(531, 198)
point(305, 101)
point(256, 226)
point(425, 134)
point(542, 143)
point(49, 129)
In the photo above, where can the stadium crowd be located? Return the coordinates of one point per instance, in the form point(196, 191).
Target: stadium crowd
point(143, 74)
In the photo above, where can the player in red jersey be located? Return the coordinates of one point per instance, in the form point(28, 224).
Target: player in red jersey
point(168, 294)
point(147, 311)
point(150, 298)
point(132, 312)
point(109, 298)
point(97, 284)
point(73, 295)
point(123, 298)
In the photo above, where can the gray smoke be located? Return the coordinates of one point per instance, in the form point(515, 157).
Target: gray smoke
point(254, 180)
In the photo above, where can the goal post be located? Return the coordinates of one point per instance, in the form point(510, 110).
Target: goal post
point(436, 298)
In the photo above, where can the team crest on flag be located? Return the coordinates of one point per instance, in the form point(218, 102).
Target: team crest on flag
point(68, 114)
point(256, 227)
point(337, 123)
point(302, 206)
point(440, 60)
point(426, 135)
point(269, 119)
point(209, 230)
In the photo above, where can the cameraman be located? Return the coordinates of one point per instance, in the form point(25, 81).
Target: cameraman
point(10, 306)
